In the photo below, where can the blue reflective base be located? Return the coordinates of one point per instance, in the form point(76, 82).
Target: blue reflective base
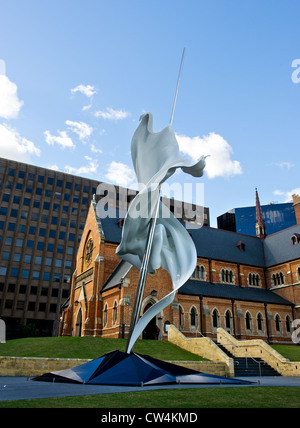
point(119, 368)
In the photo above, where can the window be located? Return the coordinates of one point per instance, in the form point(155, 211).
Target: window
point(115, 312)
point(8, 240)
point(46, 206)
point(21, 174)
point(17, 200)
point(58, 263)
point(54, 292)
point(228, 319)
point(17, 257)
point(46, 276)
point(199, 272)
point(33, 290)
point(14, 272)
point(42, 232)
point(105, 315)
point(278, 323)
point(50, 181)
point(42, 307)
point(56, 277)
point(288, 324)
point(25, 273)
point(44, 291)
point(259, 322)
point(62, 235)
point(248, 321)
point(3, 211)
point(6, 197)
point(30, 243)
point(38, 260)
point(27, 258)
point(254, 279)
point(19, 243)
point(227, 276)
point(278, 279)
point(32, 230)
point(295, 238)
point(48, 261)
point(41, 179)
point(40, 246)
point(52, 233)
point(50, 247)
point(31, 306)
point(53, 307)
point(5, 255)
point(193, 317)
point(215, 318)
point(11, 288)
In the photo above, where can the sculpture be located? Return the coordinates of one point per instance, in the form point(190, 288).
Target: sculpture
point(155, 158)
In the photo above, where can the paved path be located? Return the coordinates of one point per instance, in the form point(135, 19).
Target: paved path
point(20, 388)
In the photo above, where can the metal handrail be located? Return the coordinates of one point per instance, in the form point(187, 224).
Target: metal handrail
point(246, 353)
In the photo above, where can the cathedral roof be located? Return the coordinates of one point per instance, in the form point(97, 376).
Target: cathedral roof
point(224, 245)
point(230, 291)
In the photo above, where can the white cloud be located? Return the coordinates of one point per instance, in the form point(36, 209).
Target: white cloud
point(62, 139)
point(112, 114)
point(95, 150)
point(284, 164)
point(86, 90)
point(219, 162)
point(10, 104)
point(54, 167)
point(121, 174)
point(83, 130)
point(15, 147)
point(85, 108)
point(288, 195)
point(86, 169)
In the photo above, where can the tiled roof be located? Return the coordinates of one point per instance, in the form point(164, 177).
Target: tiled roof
point(227, 291)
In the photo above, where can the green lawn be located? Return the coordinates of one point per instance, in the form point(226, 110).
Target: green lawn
point(291, 352)
point(90, 348)
point(253, 397)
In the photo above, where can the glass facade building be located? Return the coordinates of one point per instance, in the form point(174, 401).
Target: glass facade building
point(277, 217)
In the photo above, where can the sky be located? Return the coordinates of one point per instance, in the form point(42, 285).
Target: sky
point(76, 75)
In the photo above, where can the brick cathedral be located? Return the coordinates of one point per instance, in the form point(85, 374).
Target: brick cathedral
point(248, 285)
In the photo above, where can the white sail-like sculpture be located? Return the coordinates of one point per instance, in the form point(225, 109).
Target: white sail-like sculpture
point(155, 158)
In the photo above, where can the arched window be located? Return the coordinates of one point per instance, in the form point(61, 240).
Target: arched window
point(199, 272)
point(115, 312)
point(288, 324)
point(281, 278)
point(298, 273)
point(259, 322)
point(227, 276)
point(215, 318)
point(228, 319)
point(274, 279)
point(202, 272)
point(181, 318)
point(105, 315)
point(193, 317)
point(248, 321)
point(277, 323)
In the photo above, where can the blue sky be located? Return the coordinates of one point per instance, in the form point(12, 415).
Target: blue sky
point(76, 75)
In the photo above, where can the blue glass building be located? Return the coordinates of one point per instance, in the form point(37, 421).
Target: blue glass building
point(277, 217)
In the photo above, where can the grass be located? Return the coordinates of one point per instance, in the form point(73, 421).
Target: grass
point(291, 352)
point(90, 348)
point(252, 397)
